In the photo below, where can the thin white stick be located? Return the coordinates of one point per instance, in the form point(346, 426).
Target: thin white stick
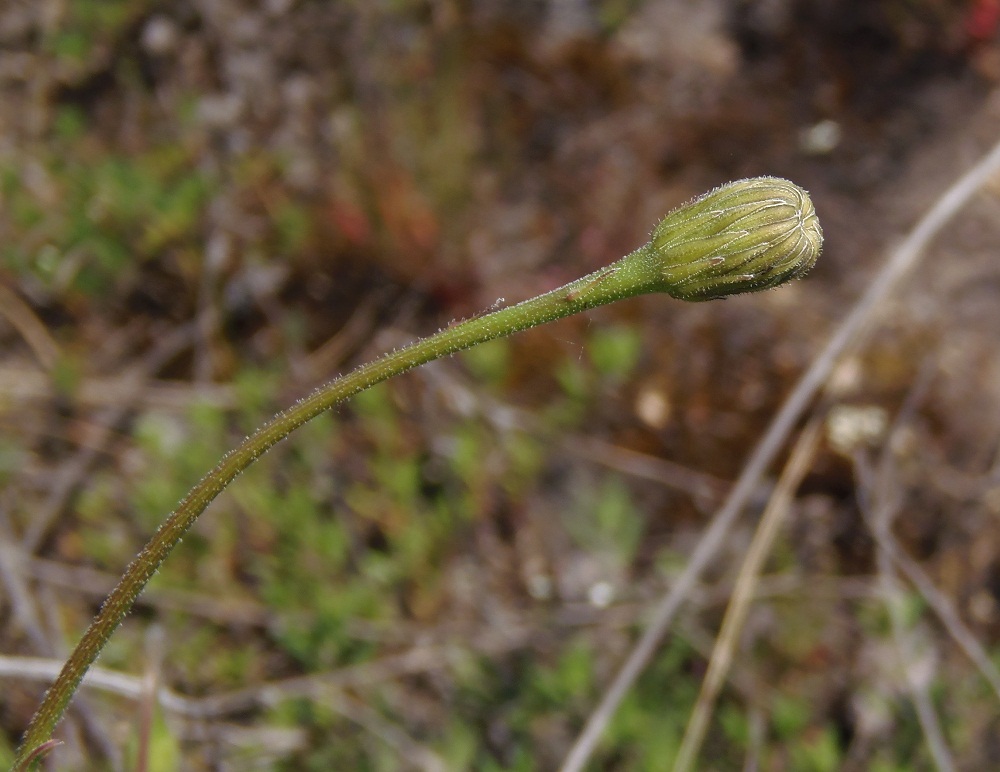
point(743, 592)
point(850, 332)
point(879, 512)
point(880, 516)
point(909, 658)
point(941, 605)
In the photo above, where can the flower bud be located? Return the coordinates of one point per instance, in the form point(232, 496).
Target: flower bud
point(744, 236)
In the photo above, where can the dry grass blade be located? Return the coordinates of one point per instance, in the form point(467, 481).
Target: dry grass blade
point(26, 322)
point(74, 472)
point(328, 688)
point(147, 700)
point(417, 660)
point(915, 661)
point(885, 502)
point(942, 606)
point(704, 489)
point(850, 331)
point(96, 584)
point(911, 661)
point(412, 754)
point(743, 592)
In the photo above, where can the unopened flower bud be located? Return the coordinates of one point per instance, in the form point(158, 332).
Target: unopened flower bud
point(744, 236)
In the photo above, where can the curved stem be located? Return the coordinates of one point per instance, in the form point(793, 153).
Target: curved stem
point(741, 237)
point(622, 279)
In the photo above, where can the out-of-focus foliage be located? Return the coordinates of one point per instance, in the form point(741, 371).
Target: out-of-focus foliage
point(453, 565)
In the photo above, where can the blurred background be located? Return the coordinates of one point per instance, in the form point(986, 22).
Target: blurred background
point(210, 207)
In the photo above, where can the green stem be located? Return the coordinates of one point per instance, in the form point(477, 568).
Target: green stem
point(787, 244)
point(603, 286)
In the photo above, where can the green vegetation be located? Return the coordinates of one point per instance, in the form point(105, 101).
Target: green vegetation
point(763, 225)
point(435, 546)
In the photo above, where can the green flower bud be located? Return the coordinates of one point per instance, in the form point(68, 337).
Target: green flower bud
point(744, 236)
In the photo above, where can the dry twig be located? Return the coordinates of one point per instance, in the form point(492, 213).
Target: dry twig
point(743, 593)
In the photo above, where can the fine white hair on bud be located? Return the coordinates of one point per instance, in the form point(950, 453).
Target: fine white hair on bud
point(743, 236)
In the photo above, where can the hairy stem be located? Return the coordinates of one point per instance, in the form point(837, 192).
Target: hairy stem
point(743, 236)
point(603, 286)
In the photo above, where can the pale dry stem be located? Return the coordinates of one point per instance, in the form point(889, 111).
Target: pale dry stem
point(743, 592)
